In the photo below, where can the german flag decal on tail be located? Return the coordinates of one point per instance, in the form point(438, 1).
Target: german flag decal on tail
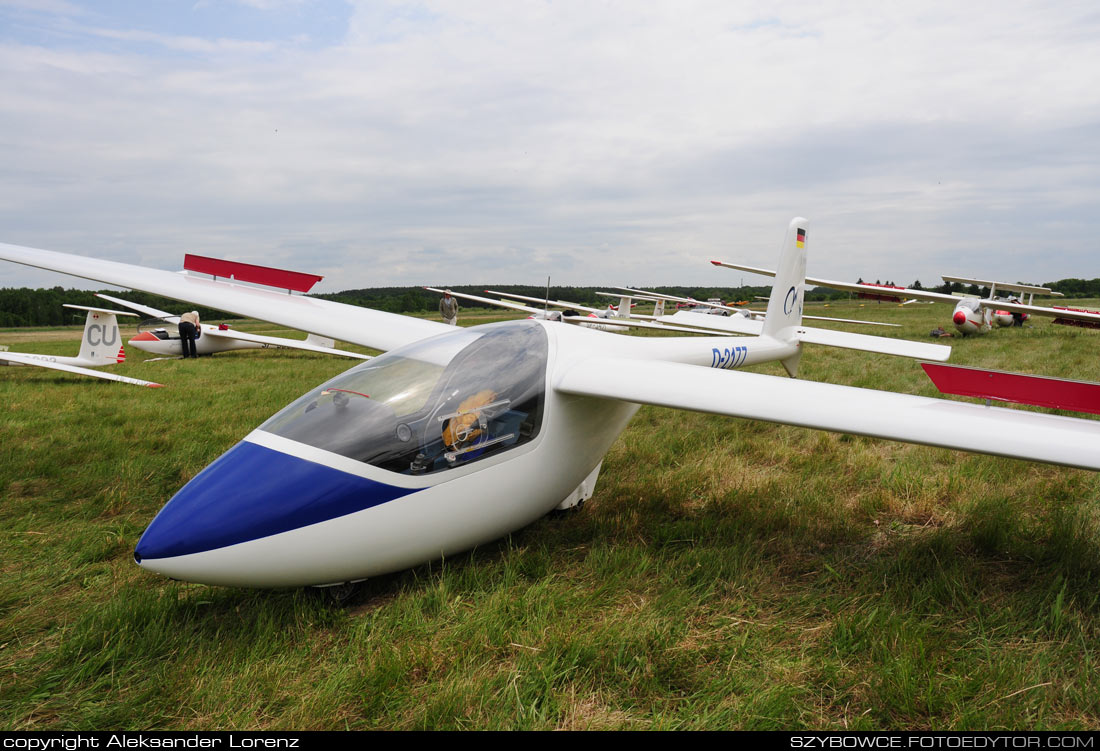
point(800, 238)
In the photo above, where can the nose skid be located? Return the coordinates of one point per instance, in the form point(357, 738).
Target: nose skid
point(252, 492)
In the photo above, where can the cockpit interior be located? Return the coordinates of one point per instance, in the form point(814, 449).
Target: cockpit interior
point(431, 406)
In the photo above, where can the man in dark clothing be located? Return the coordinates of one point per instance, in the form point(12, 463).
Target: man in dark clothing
point(189, 332)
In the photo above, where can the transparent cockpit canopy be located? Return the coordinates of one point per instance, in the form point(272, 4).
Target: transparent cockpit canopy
point(970, 303)
point(439, 403)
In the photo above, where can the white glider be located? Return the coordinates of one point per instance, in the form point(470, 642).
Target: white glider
point(213, 339)
point(458, 436)
point(97, 348)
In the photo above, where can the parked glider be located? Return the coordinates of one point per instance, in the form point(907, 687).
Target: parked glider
point(588, 320)
point(97, 348)
point(457, 436)
point(213, 339)
point(972, 315)
point(698, 308)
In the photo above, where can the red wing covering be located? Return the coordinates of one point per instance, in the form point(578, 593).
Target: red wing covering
point(1074, 321)
point(1056, 393)
point(247, 272)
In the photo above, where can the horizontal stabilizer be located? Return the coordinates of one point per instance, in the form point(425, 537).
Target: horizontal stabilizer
point(1040, 391)
point(143, 309)
point(104, 311)
point(1055, 439)
point(880, 344)
point(844, 339)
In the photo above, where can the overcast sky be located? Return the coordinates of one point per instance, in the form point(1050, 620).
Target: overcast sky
point(599, 142)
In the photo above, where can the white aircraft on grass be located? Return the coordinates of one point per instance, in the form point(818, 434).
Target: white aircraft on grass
point(457, 436)
point(694, 309)
point(972, 315)
point(213, 339)
point(97, 348)
point(590, 318)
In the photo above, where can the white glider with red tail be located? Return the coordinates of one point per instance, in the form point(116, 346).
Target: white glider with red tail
point(458, 436)
point(97, 348)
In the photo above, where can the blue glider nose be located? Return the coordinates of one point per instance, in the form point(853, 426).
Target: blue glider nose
point(251, 492)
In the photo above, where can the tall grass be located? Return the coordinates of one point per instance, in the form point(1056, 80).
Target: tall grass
point(727, 573)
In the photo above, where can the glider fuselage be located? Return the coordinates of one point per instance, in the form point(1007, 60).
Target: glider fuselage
point(345, 484)
point(166, 343)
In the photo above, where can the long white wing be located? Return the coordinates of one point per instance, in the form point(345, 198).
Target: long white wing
point(279, 341)
point(15, 358)
point(349, 323)
point(1012, 433)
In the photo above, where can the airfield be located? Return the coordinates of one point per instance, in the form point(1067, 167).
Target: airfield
point(727, 574)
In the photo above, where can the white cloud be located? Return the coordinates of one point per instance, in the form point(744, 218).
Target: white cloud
point(486, 141)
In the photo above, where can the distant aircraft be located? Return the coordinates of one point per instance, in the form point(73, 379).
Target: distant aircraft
point(97, 348)
point(627, 302)
point(213, 339)
point(972, 315)
point(457, 436)
point(698, 308)
point(585, 317)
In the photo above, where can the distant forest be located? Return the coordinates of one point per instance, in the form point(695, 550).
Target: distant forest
point(43, 307)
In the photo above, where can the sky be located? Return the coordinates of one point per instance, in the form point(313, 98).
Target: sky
point(597, 142)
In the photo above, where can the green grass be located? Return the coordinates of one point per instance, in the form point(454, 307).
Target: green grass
point(726, 574)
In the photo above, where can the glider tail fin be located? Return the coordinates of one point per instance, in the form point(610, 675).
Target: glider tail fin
point(785, 305)
point(102, 340)
point(624, 307)
point(784, 313)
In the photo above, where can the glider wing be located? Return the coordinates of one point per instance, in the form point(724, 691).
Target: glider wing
point(278, 341)
point(16, 358)
point(349, 323)
point(999, 431)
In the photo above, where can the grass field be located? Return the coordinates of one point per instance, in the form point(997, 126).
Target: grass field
point(727, 574)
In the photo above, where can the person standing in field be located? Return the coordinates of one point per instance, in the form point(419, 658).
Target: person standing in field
point(448, 308)
point(189, 332)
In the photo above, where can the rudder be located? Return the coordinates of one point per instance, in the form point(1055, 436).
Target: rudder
point(102, 340)
point(785, 305)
